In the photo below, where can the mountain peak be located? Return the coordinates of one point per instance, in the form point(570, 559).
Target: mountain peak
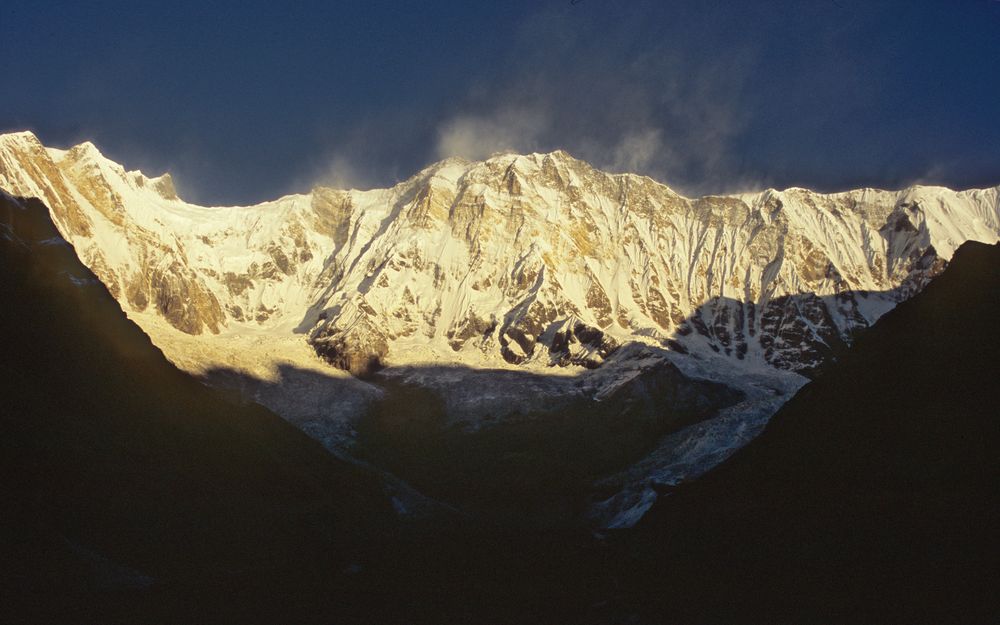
point(163, 185)
point(84, 150)
point(19, 136)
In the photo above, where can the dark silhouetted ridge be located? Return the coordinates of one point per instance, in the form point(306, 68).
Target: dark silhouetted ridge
point(871, 496)
point(126, 478)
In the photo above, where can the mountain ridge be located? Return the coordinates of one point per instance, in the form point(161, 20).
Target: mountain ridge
point(327, 236)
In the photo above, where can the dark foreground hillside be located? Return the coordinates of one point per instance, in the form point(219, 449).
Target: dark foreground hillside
point(125, 480)
point(872, 496)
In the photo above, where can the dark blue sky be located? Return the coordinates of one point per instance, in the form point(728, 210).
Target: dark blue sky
point(244, 101)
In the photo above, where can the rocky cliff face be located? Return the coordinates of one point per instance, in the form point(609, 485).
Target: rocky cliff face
point(535, 260)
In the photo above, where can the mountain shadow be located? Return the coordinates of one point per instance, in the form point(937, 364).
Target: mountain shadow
point(801, 332)
point(506, 447)
point(528, 448)
point(872, 496)
point(524, 447)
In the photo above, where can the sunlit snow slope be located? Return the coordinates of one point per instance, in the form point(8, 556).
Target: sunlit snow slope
point(539, 259)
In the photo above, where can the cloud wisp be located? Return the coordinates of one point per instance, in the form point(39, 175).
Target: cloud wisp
point(575, 82)
point(703, 98)
point(477, 136)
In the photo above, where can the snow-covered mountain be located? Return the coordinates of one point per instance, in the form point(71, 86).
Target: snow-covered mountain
point(535, 262)
point(538, 258)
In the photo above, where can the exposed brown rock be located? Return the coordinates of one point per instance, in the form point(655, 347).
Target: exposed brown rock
point(360, 352)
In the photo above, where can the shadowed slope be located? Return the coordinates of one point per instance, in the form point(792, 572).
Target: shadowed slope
point(119, 471)
point(871, 496)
